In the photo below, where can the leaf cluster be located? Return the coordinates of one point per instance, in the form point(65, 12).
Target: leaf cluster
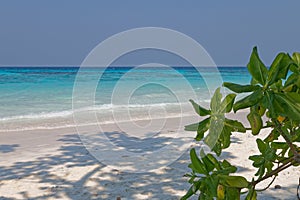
point(272, 94)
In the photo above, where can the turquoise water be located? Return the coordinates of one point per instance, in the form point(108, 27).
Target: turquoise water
point(41, 97)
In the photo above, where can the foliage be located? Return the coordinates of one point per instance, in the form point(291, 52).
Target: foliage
point(273, 94)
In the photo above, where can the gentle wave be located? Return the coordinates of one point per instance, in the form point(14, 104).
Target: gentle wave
point(74, 125)
point(109, 107)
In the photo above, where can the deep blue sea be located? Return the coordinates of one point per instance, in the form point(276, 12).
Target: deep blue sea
point(43, 97)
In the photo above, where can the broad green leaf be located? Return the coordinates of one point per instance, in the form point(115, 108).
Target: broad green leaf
point(227, 168)
point(200, 110)
point(255, 122)
point(261, 171)
point(240, 88)
point(189, 193)
point(274, 135)
point(214, 161)
point(215, 129)
point(235, 125)
point(261, 145)
point(294, 97)
point(248, 101)
point(225, 137)
point(212, 184)
point(295, 68)
point(254, 82)
point(252, 195)
point(198, 126)
point(279, 68)
point(209, 164)
point(259, 108)
point(197, 165)
point(233, 181)
point(279, 145)
point(217, 148)
point(232, 193)
point(293, 79)
point(289, 103)
point(216, 101)
point(258, 160)
point(225, 164)
point(191, 180)
point(275, 106)
point(192, 190)
point(296, 58)
point(256, 68)
point(227, 103)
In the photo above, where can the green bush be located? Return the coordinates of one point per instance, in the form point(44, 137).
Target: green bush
point(274, 95)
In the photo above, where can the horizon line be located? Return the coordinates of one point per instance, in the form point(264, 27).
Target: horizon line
point(113, 66)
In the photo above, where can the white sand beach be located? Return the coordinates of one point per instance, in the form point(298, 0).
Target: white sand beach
point(54, 164)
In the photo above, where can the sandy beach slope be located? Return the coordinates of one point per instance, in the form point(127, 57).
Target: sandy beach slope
point(54, 164)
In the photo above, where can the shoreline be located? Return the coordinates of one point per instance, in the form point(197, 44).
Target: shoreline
point(54, 164)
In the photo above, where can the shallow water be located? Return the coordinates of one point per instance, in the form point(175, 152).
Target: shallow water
point(47, 97)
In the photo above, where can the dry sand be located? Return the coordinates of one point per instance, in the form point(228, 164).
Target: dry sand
point(54, 164)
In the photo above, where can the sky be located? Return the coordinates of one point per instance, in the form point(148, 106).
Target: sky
point(63, 32)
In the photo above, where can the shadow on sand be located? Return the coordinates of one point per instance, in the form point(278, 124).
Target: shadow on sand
point(72, 173)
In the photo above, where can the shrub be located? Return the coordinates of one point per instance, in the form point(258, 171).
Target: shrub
point(273, 94)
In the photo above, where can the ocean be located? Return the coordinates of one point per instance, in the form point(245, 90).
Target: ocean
point(47, 97)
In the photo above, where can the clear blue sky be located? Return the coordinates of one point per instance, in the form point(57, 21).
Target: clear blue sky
point(63, 32)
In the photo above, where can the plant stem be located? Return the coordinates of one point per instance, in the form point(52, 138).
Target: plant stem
point(249, 128)
point(275, 171)
point(288, 141)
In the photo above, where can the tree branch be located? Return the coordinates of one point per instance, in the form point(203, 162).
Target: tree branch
point(288, 141)
point(275, 171)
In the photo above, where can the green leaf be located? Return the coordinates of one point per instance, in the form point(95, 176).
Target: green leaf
point(248, 101)
point(279, 68)
point(197, 165)
point(215, 101)
point(257, 160)
point(275, 106)
point(227, 168)
point(294, 97)
point(214, 161)
point(256, 68)
point(233, 181)
point(296, 58)
point(232, 193)
point(212, 184)
point(260, 108)
point(200, 110)
point(217, 148)
point(261, 145)
point(293, 79)
point(255, 122)
point(215, 129)
point(208, 163)
point(254, 82)
point(192, 190)
point(240, 88)
point(189, 193)
point(252, 195)
point(198, 126)
point(274, 135)
point(235, 125)
point(227, 103)
point(225, 137)
point(289, 103)
point(279, 145)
